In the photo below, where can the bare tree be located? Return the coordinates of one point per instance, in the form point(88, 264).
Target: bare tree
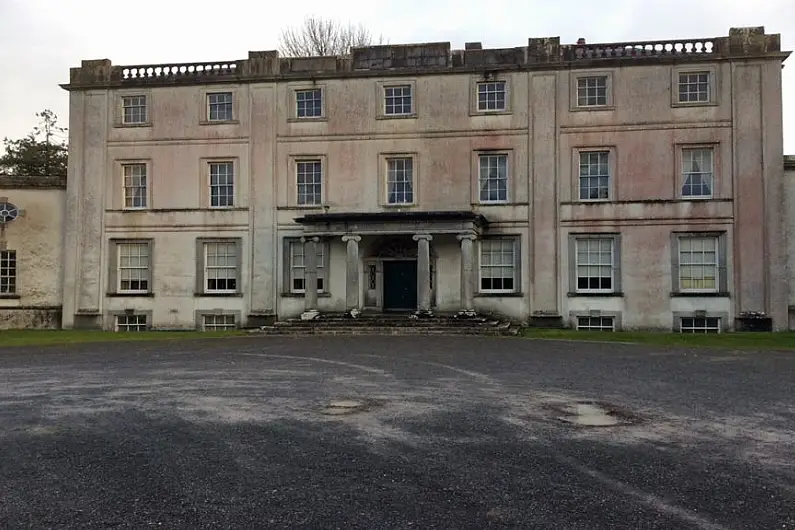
point(318, 36)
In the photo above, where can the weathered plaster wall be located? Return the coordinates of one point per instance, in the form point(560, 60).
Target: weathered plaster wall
point(37, 237)
point(789, 183)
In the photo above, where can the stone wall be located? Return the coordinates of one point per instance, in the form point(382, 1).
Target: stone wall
point(36, 236)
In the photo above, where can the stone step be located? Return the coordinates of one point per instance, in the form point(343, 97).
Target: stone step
point(381, 322)
point(383, 330)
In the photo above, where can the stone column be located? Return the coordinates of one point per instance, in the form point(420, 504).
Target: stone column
point(467, 273)
point(352, 273)
point(310, 277)
point(423, 273)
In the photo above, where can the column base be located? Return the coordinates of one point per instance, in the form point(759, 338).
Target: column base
point(466, 313)
point(312, 314)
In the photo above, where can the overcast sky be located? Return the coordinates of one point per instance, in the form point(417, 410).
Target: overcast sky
point(41, 39)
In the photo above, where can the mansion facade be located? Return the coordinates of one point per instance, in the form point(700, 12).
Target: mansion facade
point(599, 186)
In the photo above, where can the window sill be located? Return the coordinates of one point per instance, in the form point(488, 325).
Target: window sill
point(397, 116)
point(593, 108)
point(10, 297)
point(301, 295)
point(218, 295)
point(700, 295)
point(503, 112)
point(313, 119)
point(219, 122)
point(594, 201)
point(614, 294)
point(119, 125)
point(130, 295)
point(696, 199)
point(399, 205)
point(675, 104)
point(499, 295)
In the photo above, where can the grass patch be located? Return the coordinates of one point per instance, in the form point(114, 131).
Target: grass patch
point(754, 341)
point(73, 336)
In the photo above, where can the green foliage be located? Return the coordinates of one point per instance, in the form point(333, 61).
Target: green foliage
point(42, 152)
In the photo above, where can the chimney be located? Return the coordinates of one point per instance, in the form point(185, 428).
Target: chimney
point(580, 41)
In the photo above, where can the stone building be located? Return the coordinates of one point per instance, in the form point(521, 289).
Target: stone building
point(631, 185)
point(32, 221)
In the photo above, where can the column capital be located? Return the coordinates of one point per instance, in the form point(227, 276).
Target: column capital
point(349, 237)
point(422, 237)
point(470, 236)
point(314, 239)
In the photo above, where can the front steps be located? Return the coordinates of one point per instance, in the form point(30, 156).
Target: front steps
point(391, 324)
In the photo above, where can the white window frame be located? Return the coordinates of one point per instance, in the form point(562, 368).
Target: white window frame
point(611, 240)
point(488, 177)
point(130, 186)
point(224, 325)
point(484, 105)
point(486, 266)
point(704, 326)
point(321, 99)
point(302, 199)
point(230, 105)
point(211, 271)
point(137, 101)
point(691, 82)
point(403, 87)
point(685, 171)
point(715, 266)
point(589, 153)
point(230, 182)
point(293, 267)
point(392, 171)
point(600, 326)
point(583, 92)
point(134, 272)
point(8, 272)
point(136, 321)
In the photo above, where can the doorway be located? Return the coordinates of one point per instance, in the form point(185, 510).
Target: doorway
point(400, 285)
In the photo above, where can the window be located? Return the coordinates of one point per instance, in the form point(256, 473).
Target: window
point(595, 264)
point(134, 110)
point(694, 87)
point(491, 96)
point(133, 271)
point(134, 185)
point(493, 178)
point(222, 184)
point(698, 263)
point(699, 325)
point(697, 172)
point(8, 212)
point(592, 91)
point(498, 265)
point(596, 324)
point(309, 103)
point(219, 106)
point(400, 180)
point(397, 100)
point(215, 322)
point(298, 267)
point(310, 177)
point(594, 175)
point(8, 272)
point(220, 267)
point(130, 322)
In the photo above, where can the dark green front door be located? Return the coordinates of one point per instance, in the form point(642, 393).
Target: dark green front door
point(400, 285)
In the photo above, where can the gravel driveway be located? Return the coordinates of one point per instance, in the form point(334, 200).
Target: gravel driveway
point(398, 432)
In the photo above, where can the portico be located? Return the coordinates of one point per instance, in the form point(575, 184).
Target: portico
point(392, 259)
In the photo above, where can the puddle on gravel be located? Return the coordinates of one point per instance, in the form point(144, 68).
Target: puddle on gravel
point(594, 414)
point(339, 407)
